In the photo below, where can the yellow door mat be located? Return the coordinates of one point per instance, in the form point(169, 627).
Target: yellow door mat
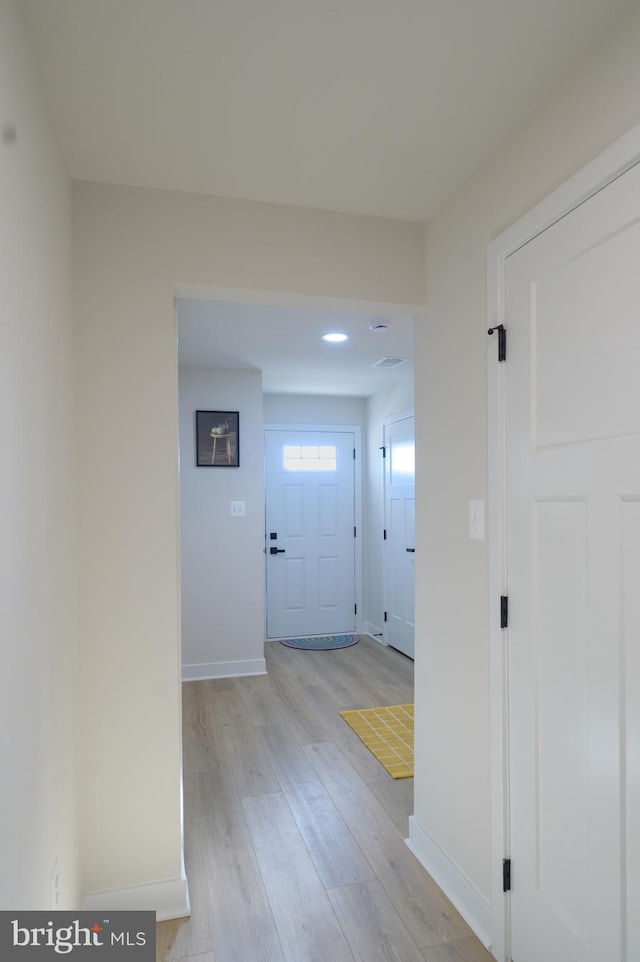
point(388, 734)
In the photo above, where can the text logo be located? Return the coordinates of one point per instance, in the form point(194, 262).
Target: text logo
point(113, 936)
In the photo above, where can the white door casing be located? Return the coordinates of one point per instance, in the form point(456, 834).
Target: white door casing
point(399, 542)
point(565, 412)
point(310, 563)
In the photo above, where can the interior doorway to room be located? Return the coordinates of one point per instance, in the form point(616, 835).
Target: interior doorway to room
point(311, 534)
point(399, 533)
point(265, 357)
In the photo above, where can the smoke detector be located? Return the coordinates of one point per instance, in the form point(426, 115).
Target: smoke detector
point(389, 362)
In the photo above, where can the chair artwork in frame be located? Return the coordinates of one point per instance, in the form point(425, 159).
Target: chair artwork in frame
point(217, 439)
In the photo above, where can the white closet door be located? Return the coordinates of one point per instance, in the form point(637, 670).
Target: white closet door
point(573, 490)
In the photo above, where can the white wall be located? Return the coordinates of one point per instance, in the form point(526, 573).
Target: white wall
point(37, 564)
point(222, 557)
point(600, 102)
point(313, 409)
point(131, 248)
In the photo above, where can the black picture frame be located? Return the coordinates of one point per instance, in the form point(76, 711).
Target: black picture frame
point(217, 439)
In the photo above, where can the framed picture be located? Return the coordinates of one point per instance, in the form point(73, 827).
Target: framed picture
point(217, 439)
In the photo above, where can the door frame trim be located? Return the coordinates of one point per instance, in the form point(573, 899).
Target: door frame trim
point(356, 430)
point(608, 166)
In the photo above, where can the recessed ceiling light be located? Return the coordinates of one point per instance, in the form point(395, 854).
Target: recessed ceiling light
point(335, 337)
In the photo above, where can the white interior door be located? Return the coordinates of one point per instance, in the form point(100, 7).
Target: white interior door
point(310, 532)
point(573, 506)
point(400, 545)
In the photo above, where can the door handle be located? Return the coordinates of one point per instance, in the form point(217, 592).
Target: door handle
point(276, 550)
point(410, 550)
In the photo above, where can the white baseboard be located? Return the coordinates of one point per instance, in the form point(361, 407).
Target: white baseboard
point(472, 905)
point(224, 669)
point(169, 899)
point(373, 632)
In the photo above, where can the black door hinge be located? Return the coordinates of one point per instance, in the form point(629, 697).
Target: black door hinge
point(506, 874)
point(355, 609)
point(384, 534)
point(354, 454)
point(385, 616)
point(502, 340)
point(355, 535)
point(504, 611)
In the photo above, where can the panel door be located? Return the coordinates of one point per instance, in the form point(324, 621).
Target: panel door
point(310, 533)
point(400, 535)
point(573, 504)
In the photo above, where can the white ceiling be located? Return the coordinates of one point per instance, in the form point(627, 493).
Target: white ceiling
point(379, 107)
point(285, 343)
point(372, 106)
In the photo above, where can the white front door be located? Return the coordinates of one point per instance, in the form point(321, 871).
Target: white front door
point(573, 526)
point(399, 544)
point(310, 533)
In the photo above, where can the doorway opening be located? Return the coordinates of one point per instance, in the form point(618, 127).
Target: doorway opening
point(266, 360)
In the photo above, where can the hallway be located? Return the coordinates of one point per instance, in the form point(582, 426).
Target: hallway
point(294, 833)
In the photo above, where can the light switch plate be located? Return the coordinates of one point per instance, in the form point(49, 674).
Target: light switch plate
point(238, 509)
point(476, 520)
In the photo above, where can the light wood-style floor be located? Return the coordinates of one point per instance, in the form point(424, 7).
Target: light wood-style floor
point(294, 833)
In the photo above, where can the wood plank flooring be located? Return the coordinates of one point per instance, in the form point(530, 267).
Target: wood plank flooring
point(294, 833)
